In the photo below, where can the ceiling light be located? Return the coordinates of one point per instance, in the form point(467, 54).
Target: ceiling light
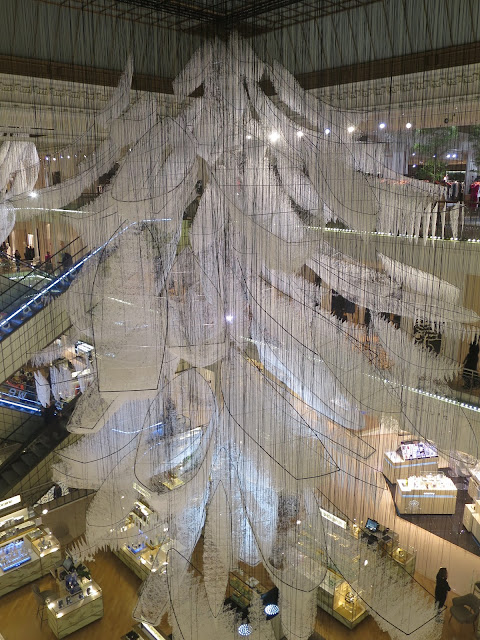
point(299, 134)
point(249, 137)
point(45, 511)
point(408, 125)
point(454, 155)
point(33, 194)
point(448, 155)
point(274, 136)
point(414, 165)
point(382, 125)
point(229, 318)
point(244, 630)
point(54, 159)
point(271, 609)
point(351, 129)
point(326, 132)
point(413, 153)
point(68, 157)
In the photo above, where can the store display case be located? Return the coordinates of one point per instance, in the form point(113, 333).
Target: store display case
point(468, 511)
point(27, 552)
point(75, 610)
point(410, 459)
point(474, 484)
point(405, 557)
point(143, 558)
point(336, 597)
point(429, 494)
point(347, 605)
point(242, 586)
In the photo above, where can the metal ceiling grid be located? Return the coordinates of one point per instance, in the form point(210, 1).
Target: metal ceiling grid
point(248, 16)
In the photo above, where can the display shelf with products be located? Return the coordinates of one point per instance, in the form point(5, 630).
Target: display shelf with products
point(429, 494)
point(405, 557)
point(348, 606)
point(74, 611)
point(242, 587)
point(336, 597)
point(28, 553)
point(144, 558)
point(409, 460)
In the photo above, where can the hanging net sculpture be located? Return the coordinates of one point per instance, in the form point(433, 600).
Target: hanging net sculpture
point(226, 391)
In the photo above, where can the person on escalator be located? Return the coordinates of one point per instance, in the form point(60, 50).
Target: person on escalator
point(18, 259)
point(67, 261)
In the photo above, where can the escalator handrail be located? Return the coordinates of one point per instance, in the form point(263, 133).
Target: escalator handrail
point(63, 277)
point(37, 268)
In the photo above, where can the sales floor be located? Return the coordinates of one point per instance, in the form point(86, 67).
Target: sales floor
point(448, 527)
point(18, 619)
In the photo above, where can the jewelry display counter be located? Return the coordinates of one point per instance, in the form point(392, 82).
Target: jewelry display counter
point(430, 494)
point(396, 467)
point(72, 612)
point(25, 557)
point(405, 558)
point(336, 597)
point(242, 587)
point(143, 559)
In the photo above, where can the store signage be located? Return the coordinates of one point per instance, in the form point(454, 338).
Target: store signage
point(9, 502)
point(334, 519)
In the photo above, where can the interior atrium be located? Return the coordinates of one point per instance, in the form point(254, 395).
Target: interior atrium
point(240, 319)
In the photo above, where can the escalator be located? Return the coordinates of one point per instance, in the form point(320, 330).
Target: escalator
point(29, 444)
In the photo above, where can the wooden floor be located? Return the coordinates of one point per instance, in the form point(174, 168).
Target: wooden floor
point(18, 619)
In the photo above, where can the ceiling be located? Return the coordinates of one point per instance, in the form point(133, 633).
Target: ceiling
point(247, 16)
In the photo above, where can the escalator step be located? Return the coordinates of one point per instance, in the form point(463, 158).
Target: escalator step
point(10, 476)
point(20, 467)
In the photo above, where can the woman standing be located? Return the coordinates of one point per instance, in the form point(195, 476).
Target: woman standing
point(441, 589)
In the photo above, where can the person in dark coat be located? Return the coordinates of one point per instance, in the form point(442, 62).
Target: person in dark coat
point(18, 259)
point(441, 589)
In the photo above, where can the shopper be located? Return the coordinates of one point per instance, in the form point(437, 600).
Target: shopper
point(441, 589)
point(18, 259)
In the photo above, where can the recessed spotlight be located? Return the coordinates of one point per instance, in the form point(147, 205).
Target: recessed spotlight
point(448, 155)
point(300, 134)
point(414, 165)
point(248, 137)
point(454, 155)
point(229, 318)
point(54, 159)
point(33, 194)
point(351, 129)
point(44, 511)
point(327, 131)
point(68, 157)
point(382, 125)
point(408, 125)
point(274, 136)
point(413, 153)
point(434, 155)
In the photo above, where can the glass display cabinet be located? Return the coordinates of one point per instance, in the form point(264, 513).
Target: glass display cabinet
point(347, 605)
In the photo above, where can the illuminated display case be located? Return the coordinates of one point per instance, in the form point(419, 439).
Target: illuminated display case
point(429, 494)
point(336, 597)
point(347, 604)
point(405, 557)
point(72, 612)
point(27, 552)
point(242, 587)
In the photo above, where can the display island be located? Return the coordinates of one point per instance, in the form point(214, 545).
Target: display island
point(410, 459)
point(27, 551)
point(81, 604)
point(429, 494)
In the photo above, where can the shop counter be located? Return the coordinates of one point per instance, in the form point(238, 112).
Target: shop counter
point(142, 560)
point(468, 512)
point(474, 484)
point(426, 495)
point(26, 558)
point(395, 467)
point(72, 612)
